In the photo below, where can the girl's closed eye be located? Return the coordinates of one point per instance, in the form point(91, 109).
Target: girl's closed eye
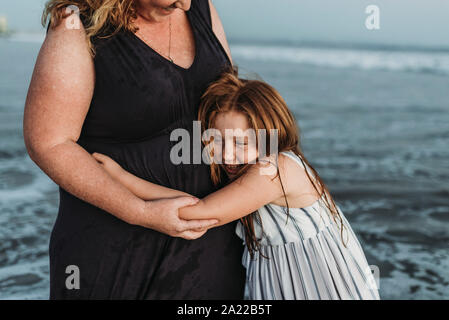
point(241, 141)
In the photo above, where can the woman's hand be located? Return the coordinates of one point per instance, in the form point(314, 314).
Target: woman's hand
point(163, 216)
point(111, 167)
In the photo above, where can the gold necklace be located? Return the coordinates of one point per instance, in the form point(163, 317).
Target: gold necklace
point(169, 40)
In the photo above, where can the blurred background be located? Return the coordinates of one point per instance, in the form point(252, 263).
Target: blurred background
point(372, 106)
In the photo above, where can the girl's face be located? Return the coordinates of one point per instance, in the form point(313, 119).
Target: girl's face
point(237, 145)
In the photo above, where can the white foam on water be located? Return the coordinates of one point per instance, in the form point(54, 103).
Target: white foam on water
point(437, 62)
point(36, 37)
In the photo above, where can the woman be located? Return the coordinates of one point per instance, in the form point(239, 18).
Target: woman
point(118, 85)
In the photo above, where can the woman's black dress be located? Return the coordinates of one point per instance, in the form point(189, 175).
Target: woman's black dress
point(139, 98)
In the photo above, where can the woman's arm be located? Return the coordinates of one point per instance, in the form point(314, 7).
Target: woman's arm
point(257, 187)
point(58, 99)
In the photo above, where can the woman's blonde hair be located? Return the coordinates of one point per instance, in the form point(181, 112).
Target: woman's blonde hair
point(265, 109)
point(99, 16)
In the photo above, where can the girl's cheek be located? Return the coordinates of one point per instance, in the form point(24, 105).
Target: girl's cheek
point(251, 154)
point(246, 155)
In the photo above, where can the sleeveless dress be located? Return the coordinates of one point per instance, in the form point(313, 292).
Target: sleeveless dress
point(306, 257)
point(139, 99)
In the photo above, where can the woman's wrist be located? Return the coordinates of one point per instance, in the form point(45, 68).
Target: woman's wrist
point(140, 211)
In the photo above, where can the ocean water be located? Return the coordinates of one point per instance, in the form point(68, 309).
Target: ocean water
point(374, 123)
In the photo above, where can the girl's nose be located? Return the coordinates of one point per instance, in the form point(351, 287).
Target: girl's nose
point(229, 153)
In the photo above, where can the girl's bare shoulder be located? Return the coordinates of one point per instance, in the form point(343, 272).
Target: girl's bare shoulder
point(295, 181)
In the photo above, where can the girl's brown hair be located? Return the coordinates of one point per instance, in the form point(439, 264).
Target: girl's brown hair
point(100, 15)
point(265, 109)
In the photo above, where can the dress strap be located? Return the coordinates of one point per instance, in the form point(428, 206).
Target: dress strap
point(203, 7)
point(297, 158)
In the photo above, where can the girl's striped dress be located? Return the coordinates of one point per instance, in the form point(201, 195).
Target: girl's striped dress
point(306, 256)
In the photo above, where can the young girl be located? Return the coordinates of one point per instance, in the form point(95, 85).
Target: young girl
point(298, 244)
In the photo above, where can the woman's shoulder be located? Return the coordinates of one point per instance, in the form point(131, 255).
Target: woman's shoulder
point(66, 18)
point(68, 32)
point(65, 53)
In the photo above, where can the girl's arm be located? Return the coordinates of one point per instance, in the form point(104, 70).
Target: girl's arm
point(243, 196)
point(257, 187)
point(139, 187)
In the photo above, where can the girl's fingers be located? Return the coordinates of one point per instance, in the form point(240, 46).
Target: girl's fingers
point(99, 157)
point(192, 235)
point(96, 157)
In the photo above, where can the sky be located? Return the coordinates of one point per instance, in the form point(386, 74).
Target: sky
point(402, 22)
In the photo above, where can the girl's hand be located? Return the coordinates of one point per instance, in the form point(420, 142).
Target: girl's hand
point(163, 216)
point(111, 167)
